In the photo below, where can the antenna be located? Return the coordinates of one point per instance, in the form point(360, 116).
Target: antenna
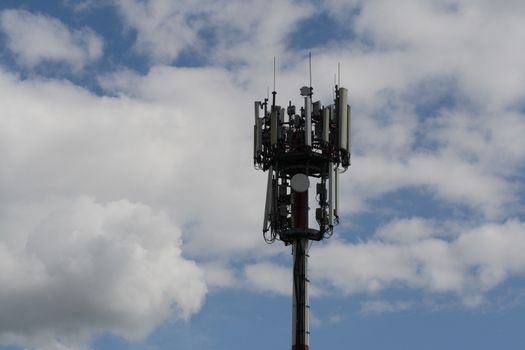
point(310, 147)
point(273, 92)
point(310, 69)
point(338, 73)
point(273, 73)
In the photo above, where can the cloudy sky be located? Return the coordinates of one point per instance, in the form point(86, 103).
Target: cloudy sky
point(130, 212)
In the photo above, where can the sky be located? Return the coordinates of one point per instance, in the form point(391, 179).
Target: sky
point(131, 214)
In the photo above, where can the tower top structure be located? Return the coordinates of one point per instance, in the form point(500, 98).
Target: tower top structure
point(291, 143)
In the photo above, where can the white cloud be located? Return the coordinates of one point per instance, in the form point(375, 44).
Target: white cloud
point(466, 264)
point(163, 29)
point(461, 155)
point(269, 277)
point(266, 276)
point(217, 275)
point(222, 31)
point(71, 268)
point(36, 38)
point(366, 267)
point(496, 251)
point(475, 262)
point(406, 230)
point(468, 40)
point(128, 159)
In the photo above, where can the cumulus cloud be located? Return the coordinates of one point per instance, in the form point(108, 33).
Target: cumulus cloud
point(406, 230)
point(163, 29)
point(215, 161)
point(37, 38)
point(71, 268)
point(223, 31)
point(459, 38)
point(468, 266)
point(218, 275)
point(274, 278)
point(146, 148)
point(463, 261)
point(269, 277)
point(120, 259)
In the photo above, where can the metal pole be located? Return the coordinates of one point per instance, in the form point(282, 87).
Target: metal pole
point(300, 313)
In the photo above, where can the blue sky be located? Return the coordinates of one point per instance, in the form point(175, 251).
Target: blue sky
point(130, 212)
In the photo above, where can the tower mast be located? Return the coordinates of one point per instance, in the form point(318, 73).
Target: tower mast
point(295, 146)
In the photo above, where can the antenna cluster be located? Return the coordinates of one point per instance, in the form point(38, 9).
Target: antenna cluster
point(295, 145)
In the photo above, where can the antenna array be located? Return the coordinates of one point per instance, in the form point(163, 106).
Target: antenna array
point(294, 146)
point(313, 141)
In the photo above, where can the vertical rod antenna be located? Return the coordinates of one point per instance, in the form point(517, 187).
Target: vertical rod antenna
point(273, 73)
point(339, 73)
point(273, 92)
point(310, 69)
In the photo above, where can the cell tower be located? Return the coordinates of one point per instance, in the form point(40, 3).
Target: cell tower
point(295, 146)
